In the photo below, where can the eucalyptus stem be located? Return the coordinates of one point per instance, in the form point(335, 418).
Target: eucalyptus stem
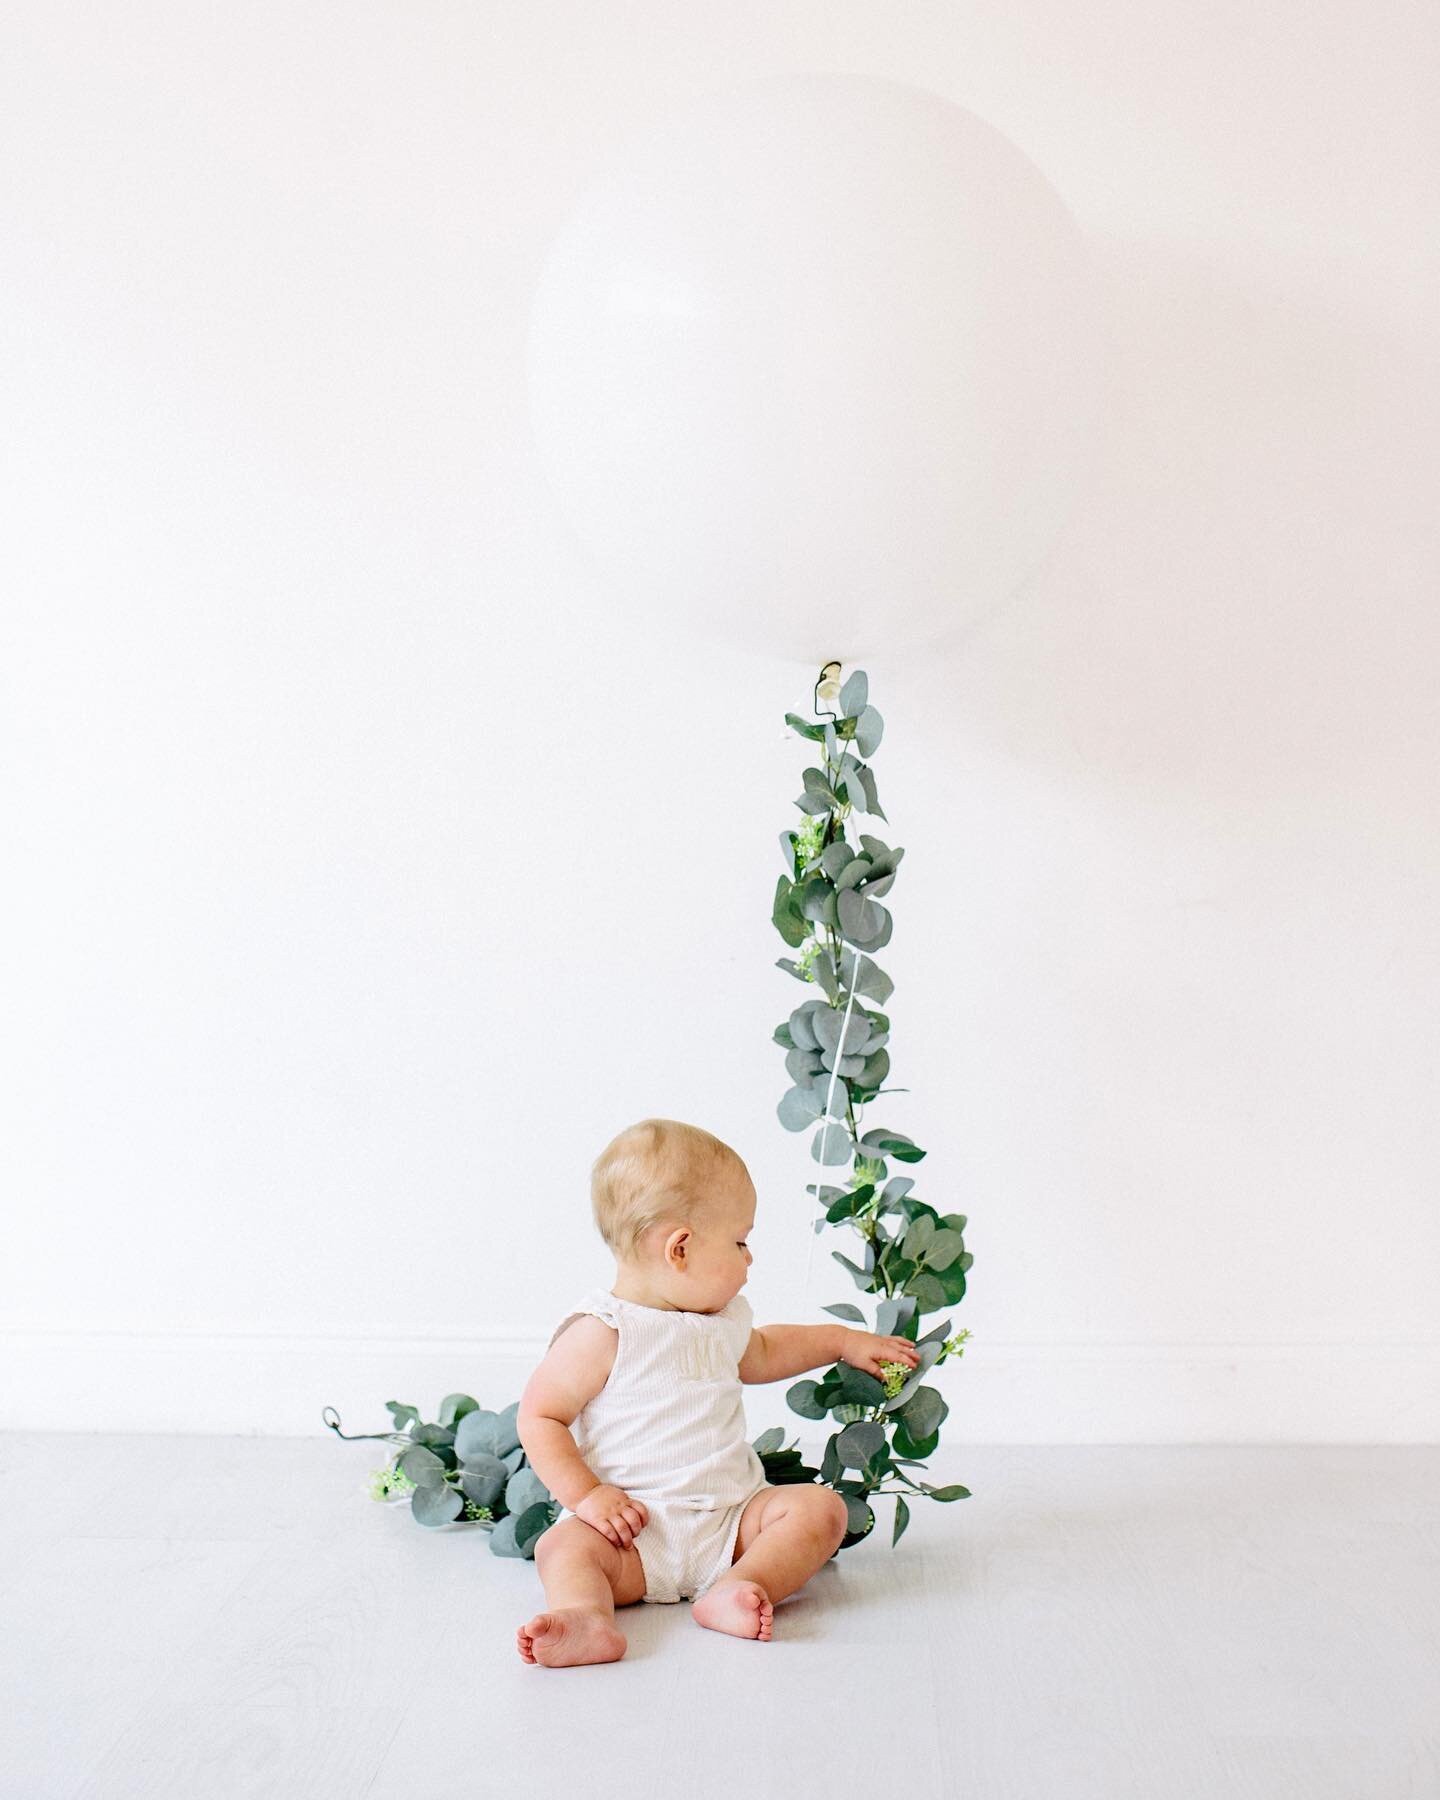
point(810, 903)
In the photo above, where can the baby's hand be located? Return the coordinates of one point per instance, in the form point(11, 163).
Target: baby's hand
point(612, 1511)
point(867, 1351)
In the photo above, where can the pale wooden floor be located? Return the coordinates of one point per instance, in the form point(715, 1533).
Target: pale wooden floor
point(216, 1617)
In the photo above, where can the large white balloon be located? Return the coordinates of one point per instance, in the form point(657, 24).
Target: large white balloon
point(813, 368)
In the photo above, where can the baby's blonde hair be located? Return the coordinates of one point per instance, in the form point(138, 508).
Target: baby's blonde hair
point(656, 1172)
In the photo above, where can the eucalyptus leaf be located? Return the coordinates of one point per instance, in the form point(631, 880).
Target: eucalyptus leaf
point(924, 1412)
point(822, 972)
point(872, 798)
point(476, 1435)
point(802, 1028)
point(927, 1289)
point(434, 1437)
point(830, 1145)
point(834, 1031)
point(484, 1481)
point(867, 1256)
point(862, 1276)
point(873, 982)
point(854, 694)
point(799, 1107)
point(860, 919)
point(943, 1248)
point(423, 1466)
point(914, 1449)
point(454, 1407)
point(853, 874)
point(507, 1435)
point(861, 1518)
point(815, 899)
point(524, 1489)
point(888, 1315)
point(834, 858)
point(801, 1399)
point(436, 1505)
point(859, 1442)
point(856, 1387)
point(918, 1237)
point(804, 726)
point(890, 1143)
point(786, 916)
point(869, 729)
point(515, 1535)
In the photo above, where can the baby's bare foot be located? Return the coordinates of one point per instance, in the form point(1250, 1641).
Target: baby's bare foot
point(737, 1605)
point(570, 1634)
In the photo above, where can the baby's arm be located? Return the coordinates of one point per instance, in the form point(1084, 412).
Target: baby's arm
point(775, 1351)
point(573, 1370)
point(571, 1373)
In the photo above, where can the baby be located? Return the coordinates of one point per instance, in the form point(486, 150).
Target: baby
point(662, 1496)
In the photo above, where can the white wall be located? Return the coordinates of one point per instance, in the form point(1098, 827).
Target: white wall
point(365, 875)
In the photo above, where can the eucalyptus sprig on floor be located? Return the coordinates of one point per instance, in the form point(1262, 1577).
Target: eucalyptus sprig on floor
point(827, 906)
point(469, 1468)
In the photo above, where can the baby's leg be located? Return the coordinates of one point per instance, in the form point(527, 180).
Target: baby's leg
point(585, 1578)
point(786, 1534)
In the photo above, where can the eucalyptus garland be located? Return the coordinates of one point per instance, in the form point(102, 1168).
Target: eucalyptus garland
point(912, 1257)
point(467, 1466)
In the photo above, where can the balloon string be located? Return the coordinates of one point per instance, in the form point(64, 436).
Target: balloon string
point(858, 956)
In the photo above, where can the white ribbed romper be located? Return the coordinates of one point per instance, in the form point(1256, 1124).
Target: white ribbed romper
point(669, 1427)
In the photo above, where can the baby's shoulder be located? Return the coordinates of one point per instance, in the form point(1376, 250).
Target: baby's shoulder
point(586, 1334)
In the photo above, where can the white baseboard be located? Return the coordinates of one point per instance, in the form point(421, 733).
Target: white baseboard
point(276, 1385)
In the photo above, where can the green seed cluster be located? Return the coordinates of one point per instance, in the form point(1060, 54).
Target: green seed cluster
point(895, 1374)
point(381, 1484)
point(809, 838)
point(473, 1510)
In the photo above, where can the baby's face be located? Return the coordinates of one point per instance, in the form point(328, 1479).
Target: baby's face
point(721, 1254)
